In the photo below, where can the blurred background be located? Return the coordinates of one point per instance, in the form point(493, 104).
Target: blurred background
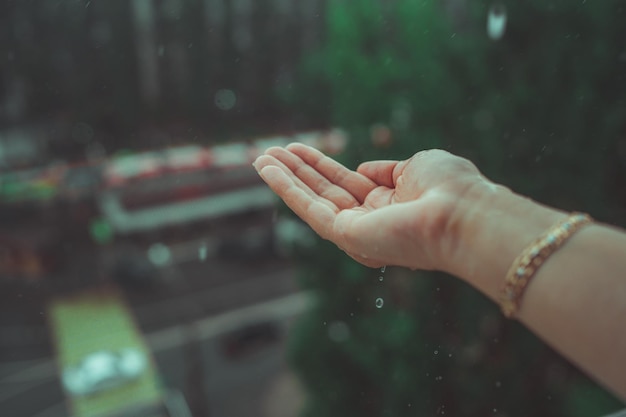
point(145, 270)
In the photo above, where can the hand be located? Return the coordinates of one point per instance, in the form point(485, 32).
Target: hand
point(405, 213)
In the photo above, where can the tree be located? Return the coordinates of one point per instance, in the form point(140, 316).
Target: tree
point(537, 109)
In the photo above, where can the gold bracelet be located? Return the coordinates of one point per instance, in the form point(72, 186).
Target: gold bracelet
point(529, 261)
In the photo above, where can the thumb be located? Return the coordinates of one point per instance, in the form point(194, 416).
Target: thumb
point(381, 172)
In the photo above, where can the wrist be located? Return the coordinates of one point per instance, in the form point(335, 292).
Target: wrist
point(494, 225)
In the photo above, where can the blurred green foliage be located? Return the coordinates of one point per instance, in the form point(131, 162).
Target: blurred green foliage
point(542, 110)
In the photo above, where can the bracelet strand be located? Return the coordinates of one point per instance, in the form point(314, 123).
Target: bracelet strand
point(530, 260)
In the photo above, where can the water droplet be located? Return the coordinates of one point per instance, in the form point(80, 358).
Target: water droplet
point(436, 352)
point(380, 278)
point(382, 270)
point(202, 252)
point(225, 99)
point(379, 303)
point(496, 21)
point(159, 254)
point(338, 331)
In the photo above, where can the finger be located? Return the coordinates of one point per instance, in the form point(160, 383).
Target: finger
point(268, 160)
point(381, 172)
point(319, 216)
point(371, 263)
point(318, 183)
point(356, 184)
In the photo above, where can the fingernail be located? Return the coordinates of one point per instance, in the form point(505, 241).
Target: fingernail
point(263, 177)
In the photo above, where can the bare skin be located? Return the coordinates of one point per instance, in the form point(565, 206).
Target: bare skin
point(436, 211)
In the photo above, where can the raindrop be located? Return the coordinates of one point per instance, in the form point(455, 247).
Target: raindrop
point(202, 252)
point(380, 278)
point(159, 254)
point(496, 21)
point(379, 303)
point(382, 270)
point(338, 331)
point(225, 99)
point(436, 352)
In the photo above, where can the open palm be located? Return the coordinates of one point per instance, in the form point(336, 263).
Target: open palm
point(385, 213)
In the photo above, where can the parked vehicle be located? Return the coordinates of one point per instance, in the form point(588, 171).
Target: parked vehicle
point(103, 370)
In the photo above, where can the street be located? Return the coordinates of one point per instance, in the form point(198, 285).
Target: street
point(193, 325)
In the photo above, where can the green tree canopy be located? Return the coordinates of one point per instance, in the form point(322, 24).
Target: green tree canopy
point(540, 110)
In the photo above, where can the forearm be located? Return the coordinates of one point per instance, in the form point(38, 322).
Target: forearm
point(576, 301)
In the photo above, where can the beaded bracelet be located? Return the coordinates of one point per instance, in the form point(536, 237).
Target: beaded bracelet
point(529, 261)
